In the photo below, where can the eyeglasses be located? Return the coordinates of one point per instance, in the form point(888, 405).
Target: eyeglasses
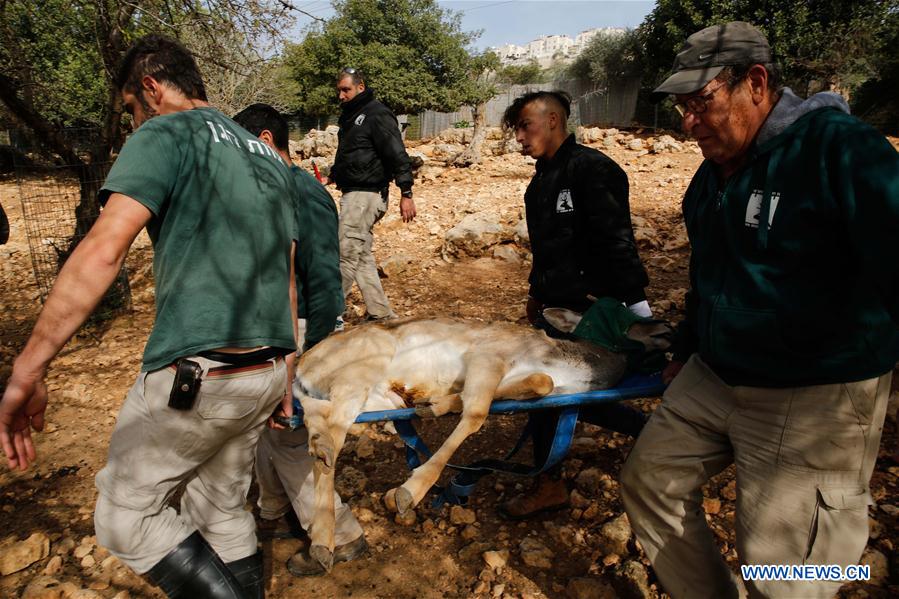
point(348, 70)
point(696, 104)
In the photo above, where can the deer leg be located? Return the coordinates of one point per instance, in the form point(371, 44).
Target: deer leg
point(327, 433)
point(526, 387)
point(483, 376)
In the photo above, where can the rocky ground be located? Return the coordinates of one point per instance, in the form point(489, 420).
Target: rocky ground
point(465, 255)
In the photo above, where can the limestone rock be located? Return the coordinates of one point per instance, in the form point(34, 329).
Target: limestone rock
point(521, 233)
point(54, 566)
point(535, 554)
point(507, 253)
point(365, 448)
point(615, 534)
point(635, 144)
point(46, 587)
point(474, 235)
point(396, 264)
point(470, 532)
point(461, 515)
point(496, 559)
point(666, 143)
point(15, 556)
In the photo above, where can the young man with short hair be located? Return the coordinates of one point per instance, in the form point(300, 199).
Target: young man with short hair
point(582, 241)
point(219, 217)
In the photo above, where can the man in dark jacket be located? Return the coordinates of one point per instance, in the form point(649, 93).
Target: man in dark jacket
point(784, 360)
point(579, 225)
point(370, 153)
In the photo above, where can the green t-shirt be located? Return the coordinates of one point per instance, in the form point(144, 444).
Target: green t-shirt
point(319, 288)
point(221, 230)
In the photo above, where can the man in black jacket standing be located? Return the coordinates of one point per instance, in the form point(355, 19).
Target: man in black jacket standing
point(370, 153)
point(582, 241)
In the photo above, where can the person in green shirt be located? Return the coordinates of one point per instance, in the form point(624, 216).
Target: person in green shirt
point(213, 201)
point(783, 363)
point(283, 462)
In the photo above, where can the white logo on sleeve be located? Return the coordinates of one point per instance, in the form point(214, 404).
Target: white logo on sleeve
point(359, 119)
point(754, 208)
point(563, 202)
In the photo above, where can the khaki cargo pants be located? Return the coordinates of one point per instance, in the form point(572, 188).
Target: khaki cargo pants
point(210, 447)
point(359, 211)
point(804, 457)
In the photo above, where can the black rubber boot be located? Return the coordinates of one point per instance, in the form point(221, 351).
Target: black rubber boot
point(192, 570)
point(248, 572)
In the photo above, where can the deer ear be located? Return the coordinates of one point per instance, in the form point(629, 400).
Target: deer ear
point(563, 319)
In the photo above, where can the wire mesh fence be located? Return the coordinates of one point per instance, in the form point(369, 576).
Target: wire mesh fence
point(59, 205)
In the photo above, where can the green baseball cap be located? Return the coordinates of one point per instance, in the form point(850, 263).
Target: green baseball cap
point(707, 52)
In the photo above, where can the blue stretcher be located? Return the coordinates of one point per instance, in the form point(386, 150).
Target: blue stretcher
point(462, 484)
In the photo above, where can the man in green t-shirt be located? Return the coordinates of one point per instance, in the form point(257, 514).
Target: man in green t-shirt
point(283, 462)
point(213, 201)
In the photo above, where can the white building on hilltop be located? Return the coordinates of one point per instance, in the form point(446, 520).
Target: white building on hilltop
point(547, 49)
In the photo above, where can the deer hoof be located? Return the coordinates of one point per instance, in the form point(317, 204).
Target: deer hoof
point(425, 412)
point(404, 500)
point(390, 500)
point(322, 555)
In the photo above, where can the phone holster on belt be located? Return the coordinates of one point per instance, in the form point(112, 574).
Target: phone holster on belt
point(186, 386)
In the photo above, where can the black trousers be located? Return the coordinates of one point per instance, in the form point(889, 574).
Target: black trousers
point(616, 417)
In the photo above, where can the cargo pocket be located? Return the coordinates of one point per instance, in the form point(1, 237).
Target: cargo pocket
point(839, 527)
point(823, 431)
point(232, 397)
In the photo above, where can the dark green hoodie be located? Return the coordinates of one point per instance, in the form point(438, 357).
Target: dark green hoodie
point(795, 259)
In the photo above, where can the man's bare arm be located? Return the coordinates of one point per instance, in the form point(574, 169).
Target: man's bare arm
point(81, 283)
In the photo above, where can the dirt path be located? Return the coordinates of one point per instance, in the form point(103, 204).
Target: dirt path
point(440, 555)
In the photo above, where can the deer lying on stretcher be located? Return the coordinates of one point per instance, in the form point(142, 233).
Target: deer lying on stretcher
point(445, 366)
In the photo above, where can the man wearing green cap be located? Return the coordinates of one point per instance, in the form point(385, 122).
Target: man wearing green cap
point(783, 362)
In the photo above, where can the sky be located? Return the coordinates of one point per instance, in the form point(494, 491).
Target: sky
point(520, 21)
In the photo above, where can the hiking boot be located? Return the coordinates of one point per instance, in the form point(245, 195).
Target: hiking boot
point(302, 564)
point(547, 494)
point(285, 527)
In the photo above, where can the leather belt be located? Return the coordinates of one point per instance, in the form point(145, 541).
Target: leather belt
point(247, 359)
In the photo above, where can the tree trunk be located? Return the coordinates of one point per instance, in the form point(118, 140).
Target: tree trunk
point(472, 154)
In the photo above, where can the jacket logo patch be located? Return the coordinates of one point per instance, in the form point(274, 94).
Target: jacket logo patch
point(754, 208)
point(563, 202)
point(359, 119)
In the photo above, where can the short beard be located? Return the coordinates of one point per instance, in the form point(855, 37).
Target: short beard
point(149, 111)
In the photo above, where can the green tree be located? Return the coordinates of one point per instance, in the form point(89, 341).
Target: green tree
point(609, 57)
point(834, 44)
point(58, 57)
point(519, 74)
point(412, 51)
